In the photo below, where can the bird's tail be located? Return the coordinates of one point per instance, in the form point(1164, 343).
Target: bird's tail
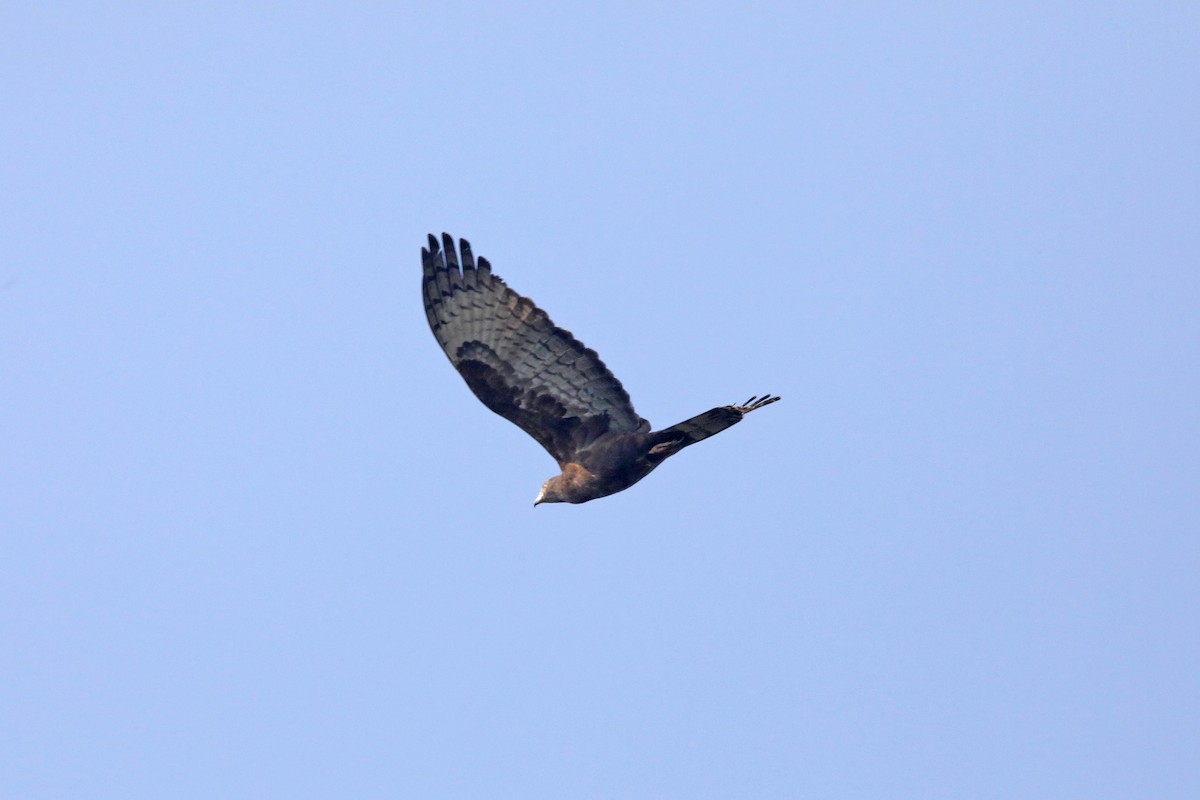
point(670, 441)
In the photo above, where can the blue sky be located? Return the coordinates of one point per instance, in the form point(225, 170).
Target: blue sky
point(259, 540)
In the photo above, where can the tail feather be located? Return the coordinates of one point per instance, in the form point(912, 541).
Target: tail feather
point(670, 441)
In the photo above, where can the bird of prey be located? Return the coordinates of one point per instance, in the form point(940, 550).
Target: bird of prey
point(538, 376)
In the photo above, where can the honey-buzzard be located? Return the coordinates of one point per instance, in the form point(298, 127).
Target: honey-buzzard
point(538, 376)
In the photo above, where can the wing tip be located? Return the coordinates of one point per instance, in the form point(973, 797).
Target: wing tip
point(756, 402)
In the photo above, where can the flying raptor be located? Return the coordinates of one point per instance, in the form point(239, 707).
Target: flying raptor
point(540, 377)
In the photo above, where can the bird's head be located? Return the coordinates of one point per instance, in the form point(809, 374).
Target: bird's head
point(551, 492)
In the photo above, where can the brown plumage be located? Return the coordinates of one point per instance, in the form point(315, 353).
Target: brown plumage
point(541, 378)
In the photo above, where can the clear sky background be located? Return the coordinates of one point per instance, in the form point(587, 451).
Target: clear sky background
point(259, 540)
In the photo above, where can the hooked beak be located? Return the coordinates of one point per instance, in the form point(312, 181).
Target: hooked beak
point(539, 498)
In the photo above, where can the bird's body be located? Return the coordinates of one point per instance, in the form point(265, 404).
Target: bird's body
point(541, 378)
point(610, 465)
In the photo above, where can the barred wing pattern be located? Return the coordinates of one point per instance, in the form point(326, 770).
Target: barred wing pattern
point(516, 360)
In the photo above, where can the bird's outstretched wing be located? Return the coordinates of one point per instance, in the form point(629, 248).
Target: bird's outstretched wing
point(671, 440)
point(519, 363)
